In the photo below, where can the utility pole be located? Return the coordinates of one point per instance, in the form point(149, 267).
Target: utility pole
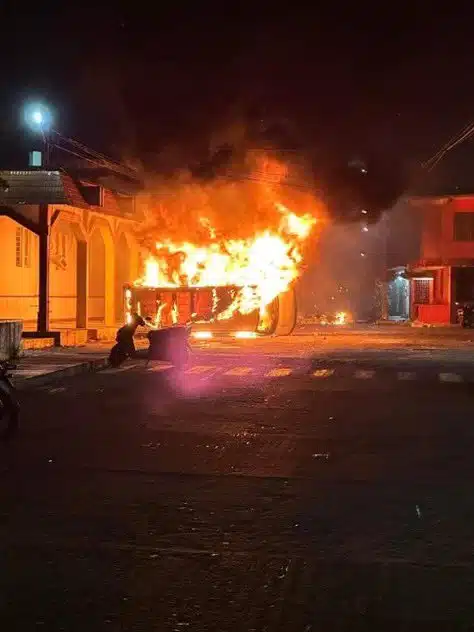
point(43, 307)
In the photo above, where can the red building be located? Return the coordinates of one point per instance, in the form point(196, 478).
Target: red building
point(430, 255)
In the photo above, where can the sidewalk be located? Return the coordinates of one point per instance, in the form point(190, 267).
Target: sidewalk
point(45, 366)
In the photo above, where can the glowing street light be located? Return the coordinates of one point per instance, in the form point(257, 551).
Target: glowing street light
point(37, 117)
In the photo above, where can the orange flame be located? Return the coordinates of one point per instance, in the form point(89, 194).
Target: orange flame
point(219, 250)
point(262, 267)
point(342, 318)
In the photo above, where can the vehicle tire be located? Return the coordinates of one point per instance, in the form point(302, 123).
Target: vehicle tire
point(116, 356)
point(9, 412)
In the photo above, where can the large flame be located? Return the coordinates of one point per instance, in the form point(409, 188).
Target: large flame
point(261, 267)
point(244, 238)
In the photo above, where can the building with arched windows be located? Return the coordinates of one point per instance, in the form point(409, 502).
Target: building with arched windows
point(67, 248)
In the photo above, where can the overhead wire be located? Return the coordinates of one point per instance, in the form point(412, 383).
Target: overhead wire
point(453, 142)
point(446, 145)
point(90, 155)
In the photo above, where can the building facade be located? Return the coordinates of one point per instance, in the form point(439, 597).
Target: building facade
point(67, 248)
point(430, 255)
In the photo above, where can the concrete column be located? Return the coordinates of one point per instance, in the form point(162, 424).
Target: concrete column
point(122, 274)
point(110, 255)
point(43, 308)
point(452, 295)
point(412, 312)
point(82, 283)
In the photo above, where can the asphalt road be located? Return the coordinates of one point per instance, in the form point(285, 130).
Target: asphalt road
point(256, 492)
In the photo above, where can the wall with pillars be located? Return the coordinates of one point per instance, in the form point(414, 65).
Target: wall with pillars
point(19, 272)
point(91, 257)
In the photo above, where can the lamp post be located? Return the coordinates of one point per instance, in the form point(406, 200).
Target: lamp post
point(38, 118)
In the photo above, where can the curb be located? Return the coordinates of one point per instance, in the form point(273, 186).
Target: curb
point(91, 366)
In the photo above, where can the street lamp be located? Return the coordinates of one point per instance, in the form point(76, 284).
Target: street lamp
point(38, 118)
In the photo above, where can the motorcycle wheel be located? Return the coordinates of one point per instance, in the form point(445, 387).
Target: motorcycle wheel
point(9, 413)
point(116, 356)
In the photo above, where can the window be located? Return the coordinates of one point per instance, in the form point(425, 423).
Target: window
point(18, 248)
point(23, 247)
point(422, 291)
point(464, 226)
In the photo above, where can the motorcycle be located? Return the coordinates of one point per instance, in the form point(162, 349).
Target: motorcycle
point(466, 315)
point(120, 352)
point(125, 347)
point(9, 404)
point(170, 344)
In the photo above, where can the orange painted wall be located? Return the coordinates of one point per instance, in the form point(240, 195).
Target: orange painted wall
point(18, 284)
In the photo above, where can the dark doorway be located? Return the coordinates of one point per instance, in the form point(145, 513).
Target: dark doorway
point(463, 284)
point(462, 288)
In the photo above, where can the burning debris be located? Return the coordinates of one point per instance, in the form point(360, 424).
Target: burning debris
point(241, 259)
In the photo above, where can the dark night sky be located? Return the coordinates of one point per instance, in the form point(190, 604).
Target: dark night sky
point(390, 83)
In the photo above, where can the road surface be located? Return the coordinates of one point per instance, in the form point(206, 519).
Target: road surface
point(259, 491)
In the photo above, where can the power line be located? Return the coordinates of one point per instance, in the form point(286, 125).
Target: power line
point(453, 142)
point(90, 155)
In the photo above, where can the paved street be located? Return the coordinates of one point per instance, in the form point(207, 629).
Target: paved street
point(358, 342)
point(270, 487)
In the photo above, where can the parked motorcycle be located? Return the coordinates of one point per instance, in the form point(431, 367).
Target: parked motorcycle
point(125, 347)
point(466, 316)
point(169, 344)
point(9, 404)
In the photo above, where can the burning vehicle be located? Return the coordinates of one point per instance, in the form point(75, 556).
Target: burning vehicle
point(209, 310)
point(233, 273)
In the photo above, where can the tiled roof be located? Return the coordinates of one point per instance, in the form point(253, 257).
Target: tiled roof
point(39, 187)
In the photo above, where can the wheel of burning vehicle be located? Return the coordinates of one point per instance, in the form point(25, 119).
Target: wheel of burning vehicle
point(268, 321)
point(280, 315)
